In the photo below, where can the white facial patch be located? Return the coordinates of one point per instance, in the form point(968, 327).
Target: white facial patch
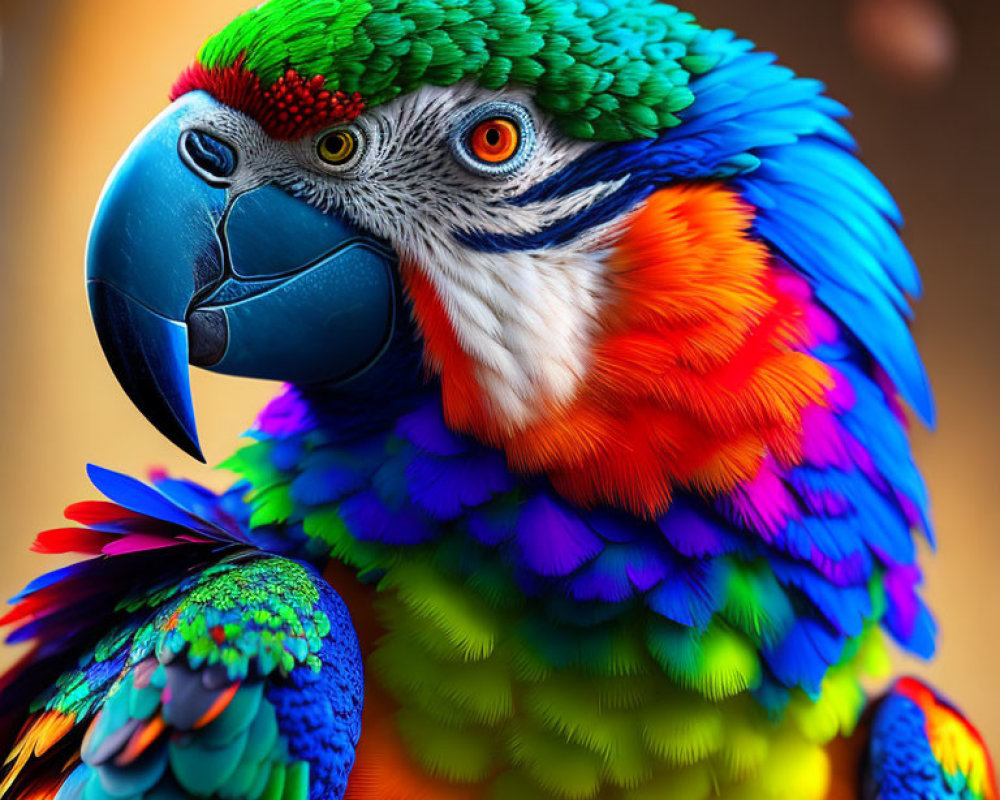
point(527, 318)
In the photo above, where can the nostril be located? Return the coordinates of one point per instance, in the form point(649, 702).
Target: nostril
point(211, 159)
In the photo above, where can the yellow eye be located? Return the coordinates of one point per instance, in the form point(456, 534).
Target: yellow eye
point(337, 147)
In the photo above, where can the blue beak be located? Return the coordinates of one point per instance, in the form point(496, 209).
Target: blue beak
point(180, 268)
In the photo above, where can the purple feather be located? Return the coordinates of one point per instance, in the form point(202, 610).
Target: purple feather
point(137, 542)
point(445, 487)
point(605, 578)
point(694, 535)
point(903, 607)
point(552, 540)
point(288, 414)
point(425, 429)
point(369, 519)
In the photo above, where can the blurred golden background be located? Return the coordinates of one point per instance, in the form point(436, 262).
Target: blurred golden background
point(78, 78)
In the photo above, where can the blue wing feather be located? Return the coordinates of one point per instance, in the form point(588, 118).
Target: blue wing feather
point(922, 748)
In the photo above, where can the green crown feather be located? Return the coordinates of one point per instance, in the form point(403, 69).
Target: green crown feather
point(602, 71)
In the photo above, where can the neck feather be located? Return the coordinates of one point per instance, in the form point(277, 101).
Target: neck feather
point(699, 371)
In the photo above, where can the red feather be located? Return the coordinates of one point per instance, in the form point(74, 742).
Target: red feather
point(71, 540)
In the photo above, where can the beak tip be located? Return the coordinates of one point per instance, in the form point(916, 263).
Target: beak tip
point(190, 445)
point(148, 355)
point(183, 436)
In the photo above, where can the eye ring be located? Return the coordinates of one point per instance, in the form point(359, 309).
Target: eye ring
point(494, 139)
point(340, 147)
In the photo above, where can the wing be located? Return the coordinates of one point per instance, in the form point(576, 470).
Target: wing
point(231, 673)
point(922, 747)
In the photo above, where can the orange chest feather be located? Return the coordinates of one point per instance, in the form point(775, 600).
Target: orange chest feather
point(699, 370)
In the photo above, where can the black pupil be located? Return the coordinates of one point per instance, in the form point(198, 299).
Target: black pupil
point(337, 144)
point(493, 137)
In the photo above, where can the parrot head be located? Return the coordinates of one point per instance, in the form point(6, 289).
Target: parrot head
point(552, 196)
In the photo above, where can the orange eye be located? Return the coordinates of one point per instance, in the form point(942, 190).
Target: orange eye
point(495, 140)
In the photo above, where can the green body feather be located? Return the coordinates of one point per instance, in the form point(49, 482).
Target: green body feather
point(491, 690)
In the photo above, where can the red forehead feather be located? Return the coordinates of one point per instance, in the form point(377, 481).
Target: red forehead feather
point(290, 108)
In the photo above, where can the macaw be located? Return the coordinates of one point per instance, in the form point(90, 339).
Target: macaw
point(591, 474)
